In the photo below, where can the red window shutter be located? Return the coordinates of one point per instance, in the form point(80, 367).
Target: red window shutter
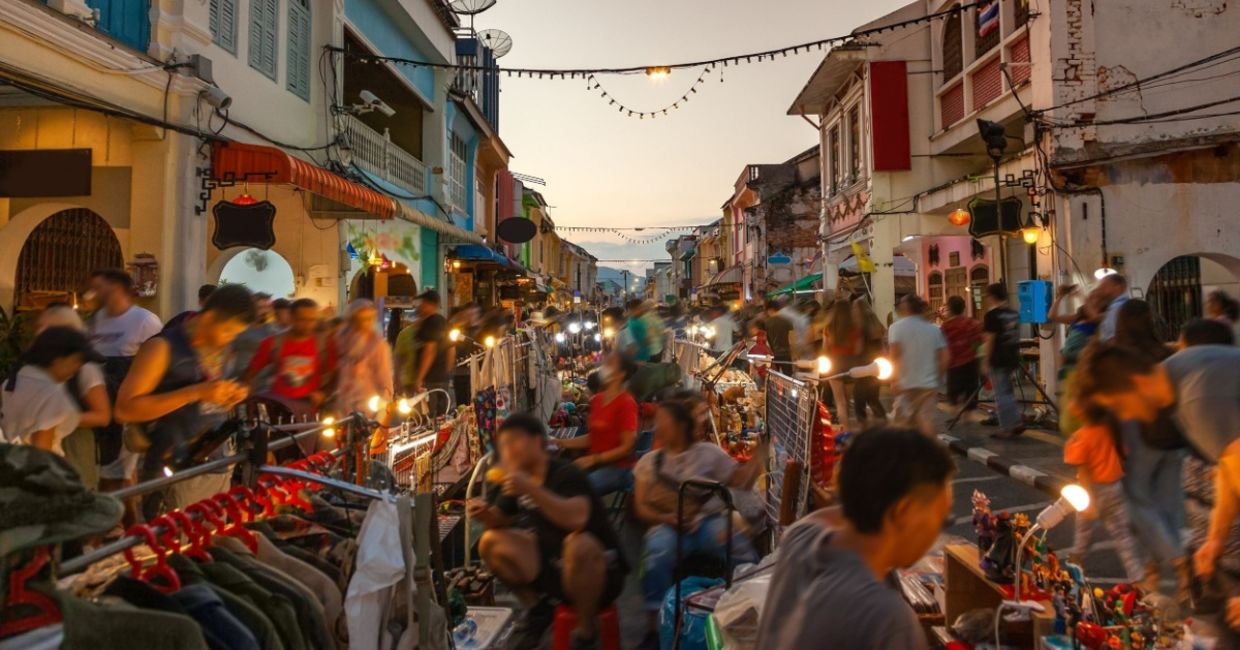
point(889, 125)
point(951, 105)
point(987, 83)
point(1018, 54)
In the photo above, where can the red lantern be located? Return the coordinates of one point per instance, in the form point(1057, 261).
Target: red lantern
point(244, 199)
point(959, 217)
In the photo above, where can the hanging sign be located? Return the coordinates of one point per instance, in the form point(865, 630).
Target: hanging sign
point(251, 225)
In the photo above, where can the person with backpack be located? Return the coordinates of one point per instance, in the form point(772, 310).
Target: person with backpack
point(35, 408)
point(301, 360)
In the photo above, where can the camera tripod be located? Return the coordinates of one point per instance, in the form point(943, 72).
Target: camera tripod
point(1022, 375)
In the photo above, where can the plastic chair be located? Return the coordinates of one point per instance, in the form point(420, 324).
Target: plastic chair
point(566, 621)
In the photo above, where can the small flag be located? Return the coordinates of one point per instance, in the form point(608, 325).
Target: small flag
point(864, 263)
point(988, 19)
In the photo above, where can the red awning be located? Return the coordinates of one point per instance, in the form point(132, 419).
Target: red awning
point(236, 162)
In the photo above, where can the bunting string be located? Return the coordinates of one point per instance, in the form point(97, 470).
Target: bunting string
point(593, 83)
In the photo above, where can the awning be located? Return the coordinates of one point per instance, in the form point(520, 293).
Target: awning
point(481, 255)
point(413, 215)
point(800, 286)
point(730, 275)
point(233, 162)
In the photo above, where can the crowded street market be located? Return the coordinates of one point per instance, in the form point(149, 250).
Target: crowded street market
point(292, 356)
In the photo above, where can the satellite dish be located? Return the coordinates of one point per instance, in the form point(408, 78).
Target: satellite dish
point(470, 7)
point(497, 39)
point(516, 230)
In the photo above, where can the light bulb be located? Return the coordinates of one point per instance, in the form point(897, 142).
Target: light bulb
point(1104, 272)
point(885, 369)
point(454, 335)
point(598, 337)
point(374, 403)
point(404, 407)
point(330, 431)
point(609, 332)
point(167, 471)
point(591, 324)
point(824, 365)
point(959, 217)
point(574, 327)
point(1031, 234)
point(559, 337)
point(1077, 496)
point(489, 341)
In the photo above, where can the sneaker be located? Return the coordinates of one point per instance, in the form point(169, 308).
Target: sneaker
point(528, 631)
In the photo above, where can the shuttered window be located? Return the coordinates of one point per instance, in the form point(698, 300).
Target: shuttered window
point(224, 24)
point(953, 55)
point(299, 48)
point(263, 35)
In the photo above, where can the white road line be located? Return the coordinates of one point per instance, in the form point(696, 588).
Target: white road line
point(980, 454)
point(1025, 474)
point(978, 479)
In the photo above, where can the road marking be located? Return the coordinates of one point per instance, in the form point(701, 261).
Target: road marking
point(981, 454)
point(1025, 474)
point(978, 479)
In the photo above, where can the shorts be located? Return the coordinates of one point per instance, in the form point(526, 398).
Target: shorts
point(550, 578)
point(123, 468)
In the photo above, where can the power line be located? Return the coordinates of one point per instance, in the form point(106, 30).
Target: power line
point(1155, 117)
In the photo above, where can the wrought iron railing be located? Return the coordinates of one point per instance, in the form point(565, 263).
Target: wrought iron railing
point(377, 154)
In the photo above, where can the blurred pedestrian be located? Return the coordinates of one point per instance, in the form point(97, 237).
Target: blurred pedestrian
point(1220, 306)
point(204, 292)
point(365, 366)
point(246, 344)
point(611, 428)
point(843, 346)
point(1113, 290)
point(1001, 359)
point(301, 360)
point(656, 330)
point(636, 338)
point(964, 336)
point(780, 336)
point(89, 393)
point(282, 312)
point(35, 408)
point(468, 321)
point(919, 355)
point(432, 354)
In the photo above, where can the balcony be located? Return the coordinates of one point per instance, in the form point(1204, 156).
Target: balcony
point(375, 153)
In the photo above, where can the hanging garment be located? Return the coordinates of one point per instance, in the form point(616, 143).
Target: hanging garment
point(91, 626)
point(45, 638)
point(276, 607)
point(380, 566)
point(251, 617)
point(310, 615)
point(324, 589)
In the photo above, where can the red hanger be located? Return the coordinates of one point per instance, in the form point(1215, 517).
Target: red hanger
point(195, 534)
point(209, 515)
point(18, 595)
point(160, 570)
point(235, 528)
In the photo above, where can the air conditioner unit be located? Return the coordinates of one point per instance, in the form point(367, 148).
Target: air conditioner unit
point(75, 9)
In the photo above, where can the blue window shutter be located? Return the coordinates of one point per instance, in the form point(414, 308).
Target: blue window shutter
point(299, 49)
point(224, 24)
point(263, 15)
point(128, 21)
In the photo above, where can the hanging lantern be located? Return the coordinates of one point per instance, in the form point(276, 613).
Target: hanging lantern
point(1031, 234)
point(959, 217)
point(244, 199)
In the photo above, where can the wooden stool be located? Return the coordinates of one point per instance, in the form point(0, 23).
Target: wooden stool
point(566, 621)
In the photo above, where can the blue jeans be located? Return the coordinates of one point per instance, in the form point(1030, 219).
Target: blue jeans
point(606, 479)
point(1155, 495)
point(1005, 398)
point(659, 554)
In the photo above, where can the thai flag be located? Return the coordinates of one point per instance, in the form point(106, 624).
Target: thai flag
point(988, 19)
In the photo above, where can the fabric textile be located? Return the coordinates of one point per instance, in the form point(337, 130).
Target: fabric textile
point(32, 402)
point(1207, 390)
point(1155, 494)
point(709, 539)
point(962, 383)
point(606, 479)
point(380, 566)
point(326, 591)
point(1107, 500)
point(123, 334)
point(1106, 329)
point(1003, 323)
point(433, 329)
point(278, 609)
point(963, 335)
point(1093, 448)
point(702, 460)
point(244, 611)
point(310, 614)
point(220, 628)
point(916, 408)
point(298, 367)
point(91, 626)
point(1006, 406)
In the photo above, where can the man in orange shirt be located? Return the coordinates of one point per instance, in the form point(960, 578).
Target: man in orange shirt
point(1095, 451)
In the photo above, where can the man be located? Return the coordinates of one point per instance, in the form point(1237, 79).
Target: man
point(246, 344)
point(177, 390)
point(301, 361)
point(204, 292)
point(636, 340)
point(832, 588)
point(655, 330)
point(1113, 291)
point(282, 309)
point(1001, 358)
point(800, 329)
point(920, 355)
point(431, 353)
point(724, 328)
point(780, 335)
point(964, 335)
point(548, 536)
point(117, 328)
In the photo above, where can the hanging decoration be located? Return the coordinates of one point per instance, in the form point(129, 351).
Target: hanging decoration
point(655, 72)
point(250, 224)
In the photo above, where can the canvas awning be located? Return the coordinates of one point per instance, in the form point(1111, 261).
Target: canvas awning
point(802, 285)
point(730, 275)
point(233, 162)
point(416, 216)
point(479, 254)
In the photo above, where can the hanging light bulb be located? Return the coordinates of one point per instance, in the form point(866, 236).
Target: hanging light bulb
point(658, 72)
point(959, 217)
point(454, 335)
point(1104, 272)
point(330, 431)
point(489, 341)
point(404, 407)
point(374, 403)
point(1031, 234)
point(559, 337)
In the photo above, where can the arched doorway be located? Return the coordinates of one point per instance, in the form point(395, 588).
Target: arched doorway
point(261, 271)
point(1179, 288)
point(59, 255)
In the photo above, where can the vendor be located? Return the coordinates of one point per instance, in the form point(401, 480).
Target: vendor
point(548, 536)
point(680, 457)
point(611, 429)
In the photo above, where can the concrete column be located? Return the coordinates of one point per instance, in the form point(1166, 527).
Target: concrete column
point(163, 222)
point(883, 280)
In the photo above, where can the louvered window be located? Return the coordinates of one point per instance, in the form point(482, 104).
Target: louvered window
point(263, 35)
point(299, 48)
point(224, 24)
point(953, 50)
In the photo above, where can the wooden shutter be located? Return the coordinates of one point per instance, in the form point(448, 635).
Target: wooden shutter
point(299, 48)
point(263, 15)
point(224, 24)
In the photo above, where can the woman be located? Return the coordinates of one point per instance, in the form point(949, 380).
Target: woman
point(89, 394)
point(681, 457)
point(866, 390)
point(611, 429)
point(1082, 325)
point(36, 409)
point(1152, 485)
point(843, 342)
point(365, 367)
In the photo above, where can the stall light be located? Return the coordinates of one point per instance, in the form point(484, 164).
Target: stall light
point(885, 369)
point(375, 403)
point(167, 471)
point(330, 431)
point(824, 365)
point(574, 327)
point(404, 407)
point(795, 394)
point(1104, 272)
point(608, 332)
point(598, 337)
point(591, 324)
point(658, 72)
point(693, 330)
point(559, 337)
point(959, 217)
point(456, 264)
point(454, 335)
point(1072, 498)
point(489, 341)
point(1031, 235)
point(708, 331)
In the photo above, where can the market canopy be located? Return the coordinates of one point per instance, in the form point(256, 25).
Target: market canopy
point(730, 275)
point(800, 286)
point(482, 255)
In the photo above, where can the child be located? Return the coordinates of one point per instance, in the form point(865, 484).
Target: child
point(1094, 449)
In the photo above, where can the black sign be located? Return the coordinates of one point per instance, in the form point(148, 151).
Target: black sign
point(249, 224)
point(46, 172)
point(516, 230)
point(984, 219)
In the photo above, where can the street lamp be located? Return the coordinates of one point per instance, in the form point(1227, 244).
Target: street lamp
point(995, 139)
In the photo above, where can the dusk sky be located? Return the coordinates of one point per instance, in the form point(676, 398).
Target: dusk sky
point(605, 169)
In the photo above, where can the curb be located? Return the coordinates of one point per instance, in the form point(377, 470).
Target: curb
point(1030, 476)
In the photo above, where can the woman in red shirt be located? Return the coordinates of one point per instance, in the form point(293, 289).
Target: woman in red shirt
point(963, 335)
point(611, 430)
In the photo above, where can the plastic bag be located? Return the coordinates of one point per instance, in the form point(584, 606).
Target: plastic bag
point(693, 629)
point(739, 609)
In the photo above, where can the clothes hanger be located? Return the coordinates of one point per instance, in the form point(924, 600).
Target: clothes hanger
point(195, 533)
point(236, 519)
point(47, 610)
point(158, 571)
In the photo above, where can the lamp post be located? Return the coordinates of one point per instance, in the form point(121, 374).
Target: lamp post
point(995, 138)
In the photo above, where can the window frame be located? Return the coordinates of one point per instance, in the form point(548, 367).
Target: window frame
point(258, 42)
point(295, 68)
point(216, 25)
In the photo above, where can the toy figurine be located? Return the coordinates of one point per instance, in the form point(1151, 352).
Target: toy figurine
point(997, 562)
point(1114, 643)
point(1137, 642)
point(983, 522)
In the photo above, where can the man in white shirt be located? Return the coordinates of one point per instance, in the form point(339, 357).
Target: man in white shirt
point(724, 328)
point(800, 326)
point(920, 356)
point(118, 327)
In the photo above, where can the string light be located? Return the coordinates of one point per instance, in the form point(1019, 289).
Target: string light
point(657, 73)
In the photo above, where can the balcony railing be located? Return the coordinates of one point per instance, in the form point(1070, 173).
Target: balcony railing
point(375, 153)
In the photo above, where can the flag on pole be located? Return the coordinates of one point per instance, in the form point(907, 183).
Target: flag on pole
point(864, 263)
point(988, 19)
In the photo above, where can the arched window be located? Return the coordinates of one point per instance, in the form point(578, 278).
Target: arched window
point(935, 290)
point(1020, 11)
point(987, 26)
point(979, 277)
point(953, 47)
